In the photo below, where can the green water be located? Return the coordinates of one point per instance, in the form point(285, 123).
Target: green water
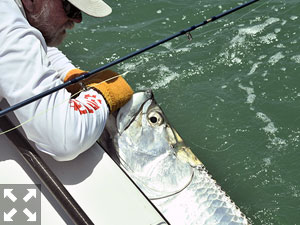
point(233, 92)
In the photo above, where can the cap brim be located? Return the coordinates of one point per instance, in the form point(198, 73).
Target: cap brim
point(95, 8)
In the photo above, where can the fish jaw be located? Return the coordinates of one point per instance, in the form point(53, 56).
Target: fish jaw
point(128, 112)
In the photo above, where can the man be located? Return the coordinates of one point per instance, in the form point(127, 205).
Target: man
point(68, 122)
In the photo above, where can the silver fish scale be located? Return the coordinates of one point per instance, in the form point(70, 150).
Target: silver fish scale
point(203, 202)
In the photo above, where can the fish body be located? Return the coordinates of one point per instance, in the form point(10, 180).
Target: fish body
point(142, 141)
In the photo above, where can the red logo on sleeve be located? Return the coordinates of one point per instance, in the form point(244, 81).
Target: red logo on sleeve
point(90, 106)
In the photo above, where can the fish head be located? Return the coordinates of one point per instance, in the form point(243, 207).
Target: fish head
point(144, 129)
point(148, 147)
point(143, 125)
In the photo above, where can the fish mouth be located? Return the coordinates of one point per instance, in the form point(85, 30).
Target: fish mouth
point(127, 114)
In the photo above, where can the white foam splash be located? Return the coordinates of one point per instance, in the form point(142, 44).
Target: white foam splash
point(166, 77)
point(251, 31)
point(275, 58)
point(280, 45)
point(183, 50)
point(277, 30)
point(270, 128)
point(294, 17)
point(129, 66)
point(267, 161)
point(167, 45)
point(262, 57)
point(296, 58)
point(229, 59)
point(250, 91)
point(276, 141)
point(269, 38)
point(254, 67)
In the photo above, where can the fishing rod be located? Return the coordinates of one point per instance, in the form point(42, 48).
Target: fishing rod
point(88, 74)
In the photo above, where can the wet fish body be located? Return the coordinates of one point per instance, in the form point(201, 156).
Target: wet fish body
point(142, 141)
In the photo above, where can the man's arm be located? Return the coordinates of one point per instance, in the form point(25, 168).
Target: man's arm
point(60, 126)
point(59, 62)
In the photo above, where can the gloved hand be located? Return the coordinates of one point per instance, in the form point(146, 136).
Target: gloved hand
point(116, 91)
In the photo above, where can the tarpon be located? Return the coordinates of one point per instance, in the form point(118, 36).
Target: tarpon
point(141, 140)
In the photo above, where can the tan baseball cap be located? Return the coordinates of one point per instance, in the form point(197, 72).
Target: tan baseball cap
point(96, 8)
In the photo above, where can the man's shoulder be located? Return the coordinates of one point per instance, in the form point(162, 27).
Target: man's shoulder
point(11, 12)
point(14, 25)
point(20, 5)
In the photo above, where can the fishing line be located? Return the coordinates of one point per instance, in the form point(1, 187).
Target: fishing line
point(155, 44)
point(57, 105)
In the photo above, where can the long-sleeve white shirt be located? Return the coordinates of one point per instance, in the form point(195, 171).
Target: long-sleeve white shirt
point(60, 126)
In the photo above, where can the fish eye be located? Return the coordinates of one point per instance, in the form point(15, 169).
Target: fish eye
point(155, 118)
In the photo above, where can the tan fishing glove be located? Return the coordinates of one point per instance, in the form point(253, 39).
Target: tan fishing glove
point(110, 84)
